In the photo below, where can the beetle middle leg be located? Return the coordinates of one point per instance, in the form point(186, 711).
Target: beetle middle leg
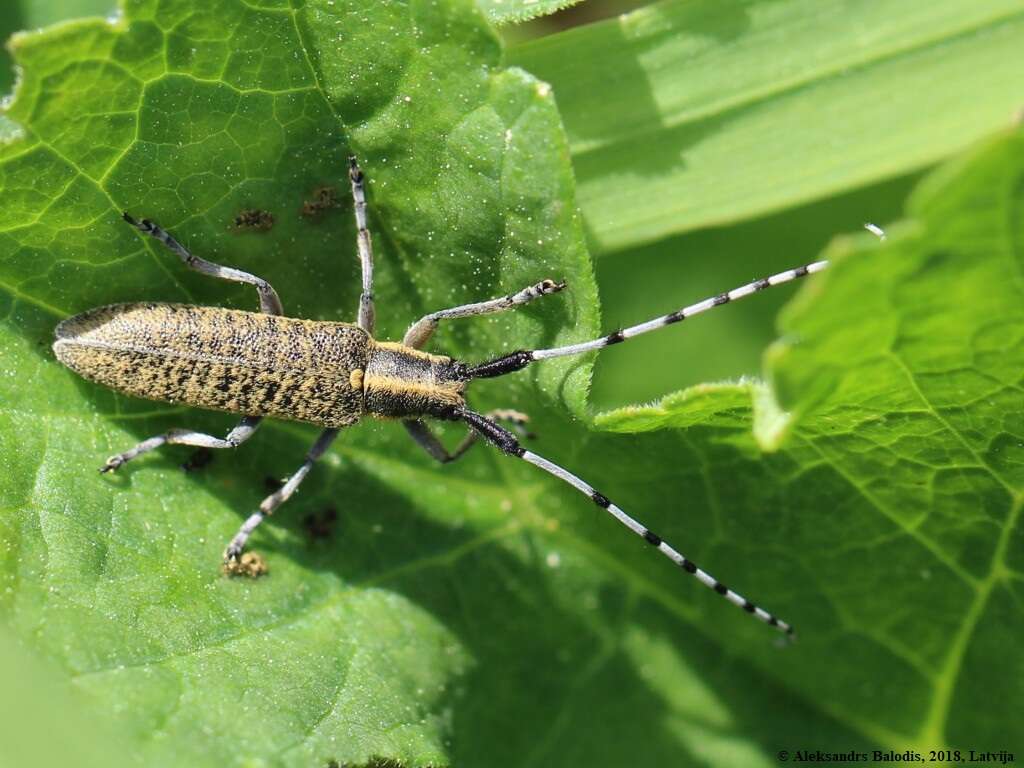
point(242, 432)
point(421, 331)
point(233, 564)
point(427, 440)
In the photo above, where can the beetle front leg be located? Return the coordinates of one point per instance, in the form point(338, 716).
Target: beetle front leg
point(419, 333)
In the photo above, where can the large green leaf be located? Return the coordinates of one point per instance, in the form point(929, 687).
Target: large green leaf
point(689, 113)
point(895, 502)
point(190, 112)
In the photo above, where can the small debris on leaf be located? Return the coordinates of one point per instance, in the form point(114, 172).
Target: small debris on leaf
point(254, 219)
point(320, 526)
point(197, 460)
point(324, 198)
point(249, 564)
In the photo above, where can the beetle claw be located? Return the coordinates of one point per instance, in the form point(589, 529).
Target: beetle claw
point(111, 464)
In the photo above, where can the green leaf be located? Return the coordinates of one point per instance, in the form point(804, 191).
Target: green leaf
point(189, 113)
point(687, 114)
point(897, 496)
point(506, 11)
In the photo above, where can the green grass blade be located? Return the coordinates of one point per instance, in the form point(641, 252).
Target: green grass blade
point(688, 114)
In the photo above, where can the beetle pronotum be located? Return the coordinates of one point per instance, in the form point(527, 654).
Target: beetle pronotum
point(332, 374)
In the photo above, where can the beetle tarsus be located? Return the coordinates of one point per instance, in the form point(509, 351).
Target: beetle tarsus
point(355, 173)
point(112, 464)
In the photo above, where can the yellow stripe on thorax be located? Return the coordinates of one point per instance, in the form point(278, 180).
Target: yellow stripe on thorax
point(393, 386)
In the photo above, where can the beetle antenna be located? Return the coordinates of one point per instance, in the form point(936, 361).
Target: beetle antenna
point(509, 444)
point(518, 360)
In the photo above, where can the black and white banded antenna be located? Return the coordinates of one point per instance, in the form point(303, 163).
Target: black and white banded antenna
point(518, 360)
point(505, 440)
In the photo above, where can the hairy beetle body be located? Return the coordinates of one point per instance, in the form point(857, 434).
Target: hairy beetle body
point(255, 364)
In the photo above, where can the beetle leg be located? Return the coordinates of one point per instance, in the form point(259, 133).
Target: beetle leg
point(270, 303)
point(366, 309)
point(242, 432)
point(421, 331)
point(233, 554)
point(427, 440)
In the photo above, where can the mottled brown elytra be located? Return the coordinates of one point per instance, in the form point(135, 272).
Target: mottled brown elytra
point(262, 363)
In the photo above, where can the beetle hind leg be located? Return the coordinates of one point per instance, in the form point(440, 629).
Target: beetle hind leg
point(235, 563)
point(242, 432)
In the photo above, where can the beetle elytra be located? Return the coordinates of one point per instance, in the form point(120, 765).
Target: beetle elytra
point(332, 374)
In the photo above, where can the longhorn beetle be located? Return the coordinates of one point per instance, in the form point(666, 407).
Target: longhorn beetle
point(332, 374)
